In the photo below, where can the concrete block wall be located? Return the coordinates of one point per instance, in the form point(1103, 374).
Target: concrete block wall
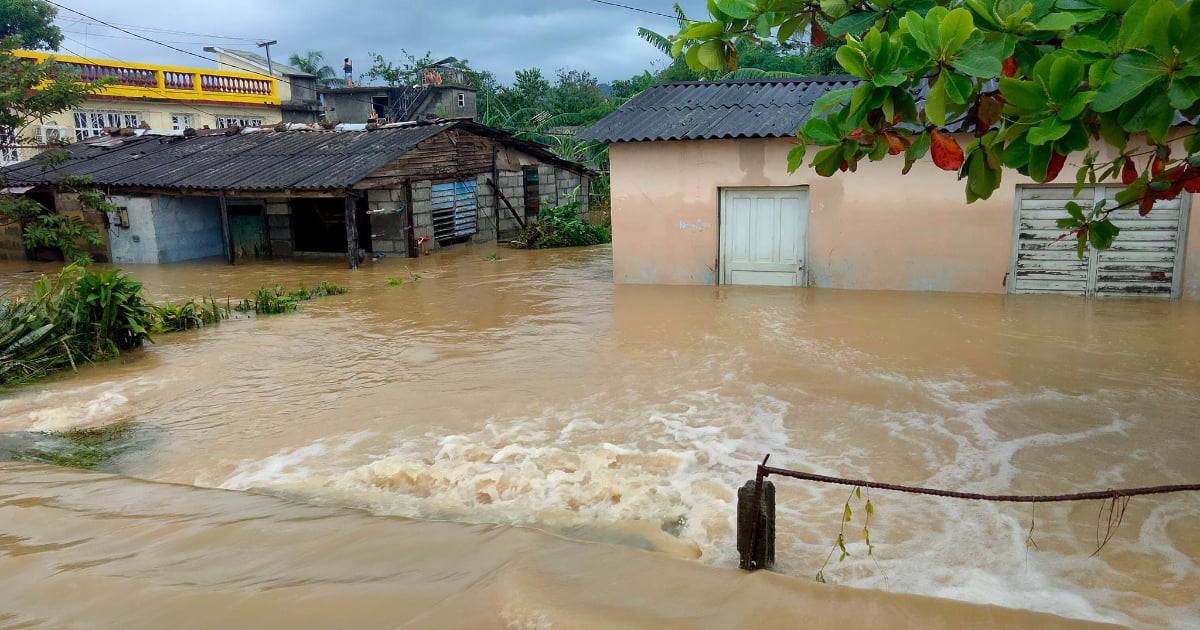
point(388, 219)
point(138, 243)
point(512, 184)
point(422, 209)
point(484, 202)
point(279, 228)
point(548, 185)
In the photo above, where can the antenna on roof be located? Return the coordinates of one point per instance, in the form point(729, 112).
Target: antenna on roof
point(267, 45)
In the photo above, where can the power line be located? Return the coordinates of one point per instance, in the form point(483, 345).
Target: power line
point(151, 29)
point(107, 36)
point(629, 8)
point(188, 52)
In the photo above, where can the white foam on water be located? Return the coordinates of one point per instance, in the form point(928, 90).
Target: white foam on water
point(668, 478)
point(88, 406)
point(665, 476)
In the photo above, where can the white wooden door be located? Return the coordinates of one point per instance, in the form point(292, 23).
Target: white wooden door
point(1145, 260)
point(763, 233)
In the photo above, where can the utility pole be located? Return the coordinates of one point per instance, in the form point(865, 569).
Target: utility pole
point(267, 45)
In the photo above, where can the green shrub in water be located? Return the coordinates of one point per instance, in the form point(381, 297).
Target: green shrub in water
point(561, 226)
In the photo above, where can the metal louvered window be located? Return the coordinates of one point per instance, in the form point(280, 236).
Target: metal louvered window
point(455, 215)
point(1144, 260)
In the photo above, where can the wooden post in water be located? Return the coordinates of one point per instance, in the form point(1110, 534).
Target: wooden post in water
point(226, 231)
point(351, 231)
point(756, 526)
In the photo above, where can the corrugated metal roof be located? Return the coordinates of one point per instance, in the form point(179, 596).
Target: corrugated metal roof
point(761, 108)
point(259, 160)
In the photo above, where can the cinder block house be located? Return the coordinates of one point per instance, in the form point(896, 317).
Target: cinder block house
point(300, 190)
point(701, 195)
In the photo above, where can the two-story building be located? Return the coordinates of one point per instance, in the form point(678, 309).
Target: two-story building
point(151, 96)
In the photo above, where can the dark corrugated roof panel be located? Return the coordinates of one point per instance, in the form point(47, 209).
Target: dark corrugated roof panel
point(766, 108)
point(266, 160)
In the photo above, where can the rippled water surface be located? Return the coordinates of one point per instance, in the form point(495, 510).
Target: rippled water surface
point(530, 391)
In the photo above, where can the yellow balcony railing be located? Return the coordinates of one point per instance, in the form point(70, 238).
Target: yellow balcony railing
point(143, 80)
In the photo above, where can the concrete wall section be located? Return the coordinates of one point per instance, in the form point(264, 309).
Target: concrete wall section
point(188, 228)
point(389, 216)
point(422, 209)
point(867, 230)
point(137, 244)
point(167, 229)
point(485, 203)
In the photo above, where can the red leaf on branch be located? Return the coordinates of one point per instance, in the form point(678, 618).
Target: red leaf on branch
point(945, 150)
point(1157, 166)
point(1055, 166)
point(1145, 204)
point(1129, 172)
point(843, 166)
point(1009, 67)
point(1191, 180)
point(896, 144)
point(818, 34)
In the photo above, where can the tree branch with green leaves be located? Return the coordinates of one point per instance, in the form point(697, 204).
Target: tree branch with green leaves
point(1033, 81)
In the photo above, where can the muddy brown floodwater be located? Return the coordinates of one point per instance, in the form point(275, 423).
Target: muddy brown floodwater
point(520, 442)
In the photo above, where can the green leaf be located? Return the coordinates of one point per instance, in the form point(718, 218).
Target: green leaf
point(847, 513)
point(916, 151)
point(1048, 130)
point(1087, 43)
point(1023, 95)
point(740, 9)
point(858, 491)
point(820, 131)
point(827, 161)
point(711, 55)
point(870, 508)
point(1184, 93)
point(763, 28)
point(853, 24)
point(978, 64)
point(853, 60)
point(1133, 72)
point(791, 26)
point(958, 88)
point(795, 157)
point(935, 102)
point(1102, 233)
point(1076, 211)
point(831, 99)
point(955, 29)
point(1066, 73)
point(704, 30)
point(1056, 22)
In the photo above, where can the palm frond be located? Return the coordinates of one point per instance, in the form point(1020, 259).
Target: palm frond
point(755, 73)
point(656, 40)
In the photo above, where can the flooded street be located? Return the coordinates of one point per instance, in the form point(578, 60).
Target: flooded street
point(610, 420)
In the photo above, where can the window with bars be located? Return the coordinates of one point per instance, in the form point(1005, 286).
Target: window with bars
point(89, 124)
point(179, 122)
point(225, 122)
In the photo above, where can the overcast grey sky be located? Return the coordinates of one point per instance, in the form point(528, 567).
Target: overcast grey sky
point(496, 35)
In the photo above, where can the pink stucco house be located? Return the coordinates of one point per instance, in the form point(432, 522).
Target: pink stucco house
point(701, 195)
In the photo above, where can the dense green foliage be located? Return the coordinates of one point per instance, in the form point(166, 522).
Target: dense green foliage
point(562, 226)
point(76, 316)
point(1037, 81)
point(82, 315)
point(29, 92)
point(277, 299)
